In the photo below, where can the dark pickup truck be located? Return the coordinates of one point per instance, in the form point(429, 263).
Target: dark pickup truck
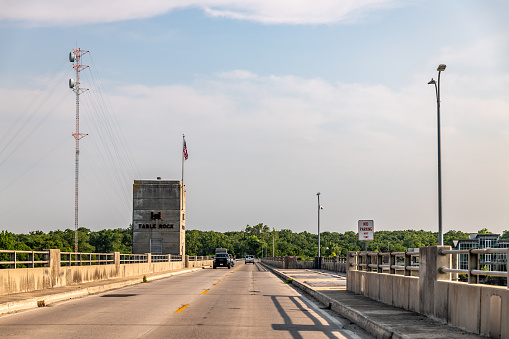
point(221, 259)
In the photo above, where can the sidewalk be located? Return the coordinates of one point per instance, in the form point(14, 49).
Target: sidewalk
point(26, 300)
point(381, 320)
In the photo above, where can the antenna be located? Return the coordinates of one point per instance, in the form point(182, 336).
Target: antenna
point(75, 58)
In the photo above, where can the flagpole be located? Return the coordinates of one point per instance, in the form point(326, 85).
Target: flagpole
point(183, 145)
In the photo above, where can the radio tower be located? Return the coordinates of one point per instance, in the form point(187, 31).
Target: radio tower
point(75, 57)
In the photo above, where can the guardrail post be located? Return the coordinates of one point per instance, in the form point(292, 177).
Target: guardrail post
point(13, 259)
point(454, 265)
point(186, 259)
point(31, 258)
point(473, 264)
point(169, 257)
point(407, 261)
point(507, 267)
point(368, 262)
point(379, 263)
point(392, 262)
point(149, 258)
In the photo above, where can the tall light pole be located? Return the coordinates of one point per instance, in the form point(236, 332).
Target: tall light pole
point(440, 68)
point(273, 246)
point(319, 207)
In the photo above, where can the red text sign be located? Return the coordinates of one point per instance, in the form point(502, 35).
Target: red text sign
point(366, 230)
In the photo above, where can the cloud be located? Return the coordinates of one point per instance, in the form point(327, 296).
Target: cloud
point(260, 146)
point(68, 13)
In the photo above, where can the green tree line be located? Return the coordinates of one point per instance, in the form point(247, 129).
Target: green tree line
point(250, 240)
point(103, 241)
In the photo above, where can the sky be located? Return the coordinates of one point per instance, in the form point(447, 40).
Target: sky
point(278, 100)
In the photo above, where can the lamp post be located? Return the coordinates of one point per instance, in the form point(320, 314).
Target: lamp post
point(319, 207)
point(440, 68)
point(273, 246)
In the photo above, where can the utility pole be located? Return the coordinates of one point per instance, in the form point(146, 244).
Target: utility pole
point(75, 58)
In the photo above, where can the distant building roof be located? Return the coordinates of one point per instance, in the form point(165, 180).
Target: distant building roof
point(476, 237)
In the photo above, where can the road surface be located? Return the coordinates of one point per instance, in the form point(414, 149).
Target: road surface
point(246, 301)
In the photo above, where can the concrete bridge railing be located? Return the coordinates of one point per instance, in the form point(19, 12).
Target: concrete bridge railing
point(65, 269)
point(426, 282)
point(336, 264)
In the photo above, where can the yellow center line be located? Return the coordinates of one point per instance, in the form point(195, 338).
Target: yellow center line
point(182, 308)
point(223, 279)
point(205, 291)
point(216, 283)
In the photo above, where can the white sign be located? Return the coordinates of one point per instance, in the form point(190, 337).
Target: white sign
point(366, 230)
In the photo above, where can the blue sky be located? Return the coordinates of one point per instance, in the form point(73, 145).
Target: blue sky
point(278, 100)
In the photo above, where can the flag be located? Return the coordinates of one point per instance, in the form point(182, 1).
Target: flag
point(185, 150)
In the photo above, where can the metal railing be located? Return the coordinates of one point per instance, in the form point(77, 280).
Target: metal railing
point(86, 259)
point(474, 270)
point(160, 258)
point(22, 259)
point(404, 262)
point(133, 259)
point(198, 258)
point(331, 259)
point(407, 262)
point(30, 259)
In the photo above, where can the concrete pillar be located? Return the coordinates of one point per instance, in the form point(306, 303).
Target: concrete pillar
point(149, 258)
point(186, 261)
point(292, 262)
point(379, 262)
point(335, 261)
point(53, 257)
point(351, 262)
point(116, 261)
point(368, 262)
point(392, 262)
point(429, 263)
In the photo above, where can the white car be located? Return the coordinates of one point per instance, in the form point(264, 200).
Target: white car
point(249, 259)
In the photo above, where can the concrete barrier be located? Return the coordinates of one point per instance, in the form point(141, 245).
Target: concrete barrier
point(54, 275)
point(480, 309)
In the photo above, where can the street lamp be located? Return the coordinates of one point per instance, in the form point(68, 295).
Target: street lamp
point(273, 246)
point(319, 208)
point(440, 68)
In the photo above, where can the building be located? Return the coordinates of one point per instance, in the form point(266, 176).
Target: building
point(159, 208)
point(493, 261)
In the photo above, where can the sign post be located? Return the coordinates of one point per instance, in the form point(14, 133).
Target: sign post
point(366, 231)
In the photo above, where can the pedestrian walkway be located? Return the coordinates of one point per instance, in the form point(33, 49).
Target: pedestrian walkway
point(26, 300)
point(379, 319)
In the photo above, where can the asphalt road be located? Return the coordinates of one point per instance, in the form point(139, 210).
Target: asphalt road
point(245, 301)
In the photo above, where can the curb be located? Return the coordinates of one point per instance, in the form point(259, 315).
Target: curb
point(15, 306)
point(374, 328)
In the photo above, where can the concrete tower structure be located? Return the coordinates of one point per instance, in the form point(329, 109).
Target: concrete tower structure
point(159, 208)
